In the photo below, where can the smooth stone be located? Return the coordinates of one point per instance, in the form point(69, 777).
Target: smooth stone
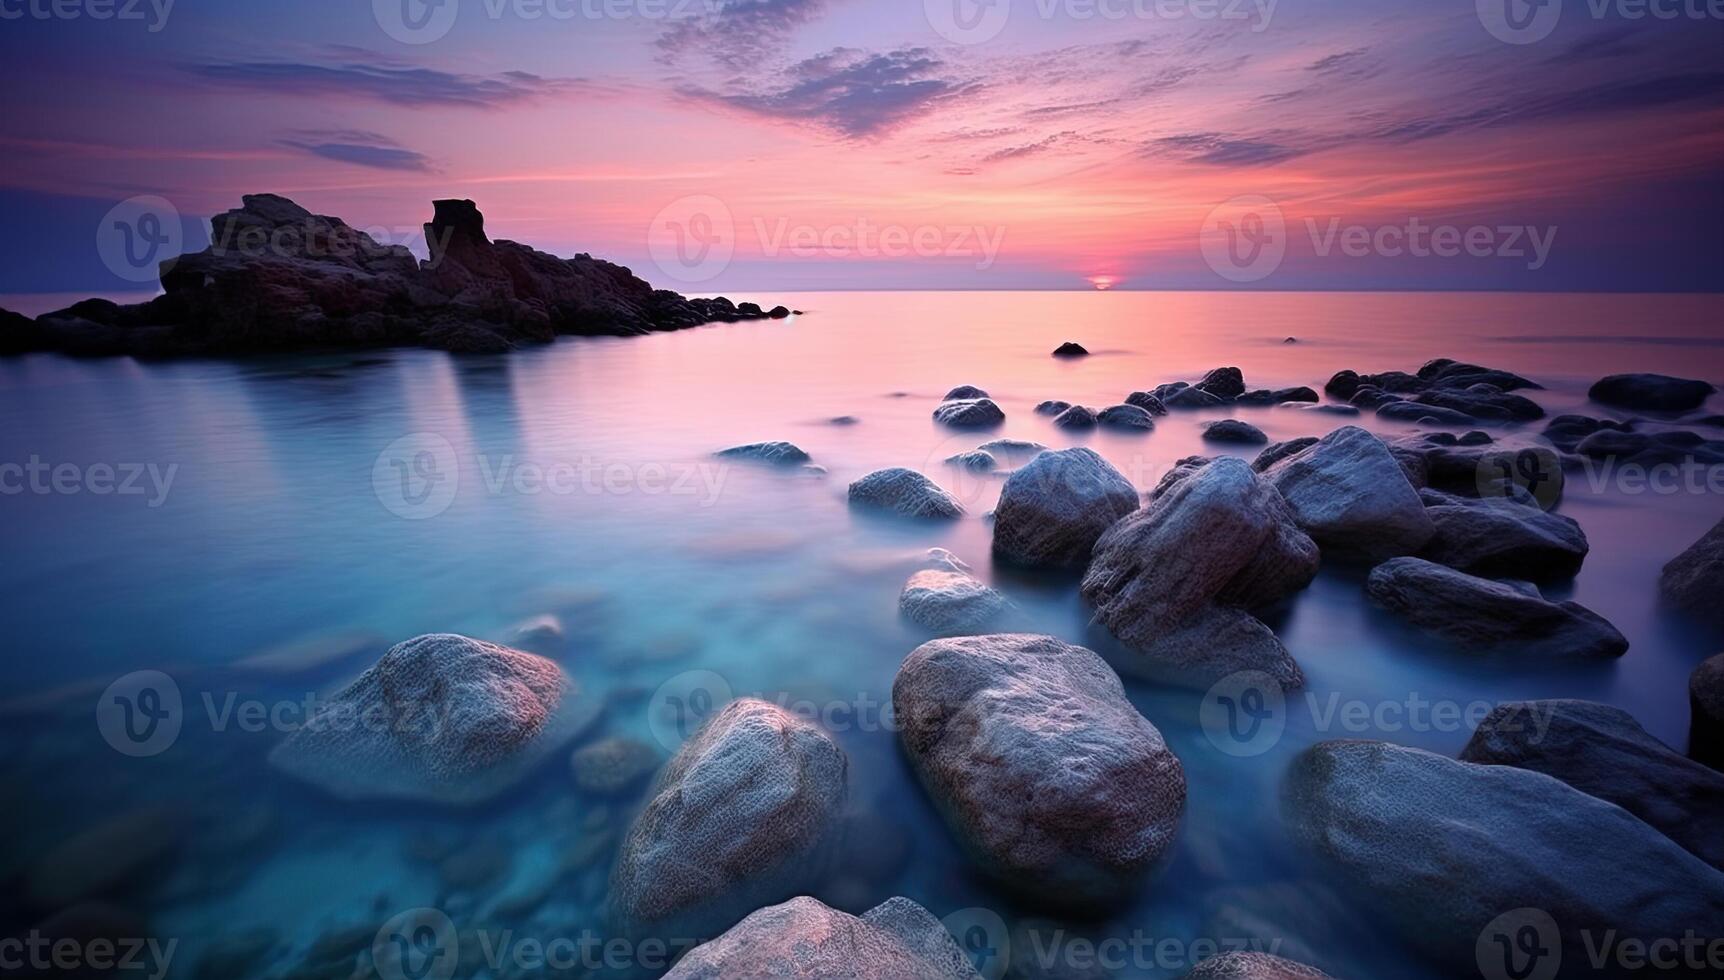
point(1052, 407)
point(498, 712)
point(1488, 616)
point(975, 413)
point(1372, 397)
point(1706, 713)
point(974, 461)
point(1567, 432)
point(1441, 848)
point(1446, 372)
point(1076, 417)
point(1603, 752)
point(1147, 401)
point(1042, 767)
point(1351, 495)
point(1484, 402)
point(1441, 460)
point(612, 766)
point(1280, 396)
point(965, 393)
point(949, 602)
point(1125, 417)
point(742, 816)
point(1175, 580)
point(1191, 398)
point(774, 453)
point(1278, 451)
point(1343, 384)
point(1651, 392)
point(1234, 432)
point(1254, 966)
point(1500, 537)
point(1053, 508)
point(904, 492)
point(1022, 448)
point(1331, 409)
point(1411, 411)
point(843, 420)
point(1070, 349)
point(1694, 580)
point(807, 940)
point(1226, 383)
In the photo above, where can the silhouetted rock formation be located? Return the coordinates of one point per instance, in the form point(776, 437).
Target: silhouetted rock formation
point(277, 277)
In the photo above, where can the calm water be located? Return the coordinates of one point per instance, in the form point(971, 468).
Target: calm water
point(581, 485)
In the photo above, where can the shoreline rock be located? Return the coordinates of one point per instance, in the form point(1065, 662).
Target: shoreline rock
point(1706, 713)
point(896, 940)
point(1053, 508)
point(952, 602)
point(1350, 494)
point(1651, 392)
point(1694, 580)
point(1490, 616)
point(904, 492)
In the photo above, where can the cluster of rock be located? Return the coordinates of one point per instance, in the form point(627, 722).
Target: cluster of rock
point(1443, 391)
point(277, 278)
point(1219, 388)
point(968, 407)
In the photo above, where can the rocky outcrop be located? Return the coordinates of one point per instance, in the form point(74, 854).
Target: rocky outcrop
point(1175, 580)
point(18, 334)
point(1234, 432)
point(1053, 508)
point(1442, 849)
point(744, 815)
point(1651, 392)
point(1126, 418)
point(1602, 751)
point(969, 413)
point(1694, 580)
point(1253, 966)
point(1706, 713)
point(803, 938)
point(1488, 616)
point(1443, 391)
point(1226, 383)
point(904, 492)
point(277, 277)
point(1054, 783)
point(440, 718)
point(952, 602)
point(1076, 417)
point(1503, 537)
point(1348, 492)
point(775, 453)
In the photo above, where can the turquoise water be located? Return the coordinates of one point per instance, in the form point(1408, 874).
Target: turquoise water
point(577, 481)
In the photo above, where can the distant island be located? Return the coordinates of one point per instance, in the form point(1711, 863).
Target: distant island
point(277, 278)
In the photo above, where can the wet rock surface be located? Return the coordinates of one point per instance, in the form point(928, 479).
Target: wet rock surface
point(898, 940)
point(1489, 616)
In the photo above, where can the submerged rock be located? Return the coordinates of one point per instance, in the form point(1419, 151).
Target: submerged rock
point(1602, 751)
point(974, 461)
point(1053, 508)
point(904, 492)
point(742, 816)
point(1694, 580)
point(1503, 537)
point(1254, 966)
point(1076, 417)
point(1651, 392)
point(1225, 383)
point(1488, 616)
point(1412, 411)
point(965, 393)
point(1147, 401)
point(776, 453)
point(1126, 417)
point(1070, 349)
point(613, 765)
point(440, 718)
point(1052, 407)
point(1021, 448)
point(1235, 432)
point(1055, 784)
point(952, 602)
point(1280, 396)
point(971, 413)
point(1174, 581)
point(1706, 713)
point(1566, 432)
point(803, 938)
point(1351, 495)
point(1442, 849)
point(1191, 398)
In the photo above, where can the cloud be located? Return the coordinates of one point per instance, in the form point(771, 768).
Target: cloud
point(853, 93)
point(740, 31)
point(358, 147)
point(395, 84)
point(1226, 150)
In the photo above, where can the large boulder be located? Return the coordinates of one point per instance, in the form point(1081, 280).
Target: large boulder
point(1503, 537)
point(1350, 494)
point(1075, 417)
point(1225, 382)
point(806, 940)
point(1474, 464)
point(1126, 418)
point(904, 492)
point(952, 602)
point(1488, 616)
point(969, 413)
point(1484, 402)
point(1706, 713)
point(1053, 508)
point(1651, 392)
point(1147, 401)
point(440, 718)
point(1234, 431)
point(1443, 849)
point(744, 815)
point(1253, 966)
point(1694, 580)
point(1055, 784)
point(1602, 751)
point(1175, 581)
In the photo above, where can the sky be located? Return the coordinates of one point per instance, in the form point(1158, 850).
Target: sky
point(716, 145)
